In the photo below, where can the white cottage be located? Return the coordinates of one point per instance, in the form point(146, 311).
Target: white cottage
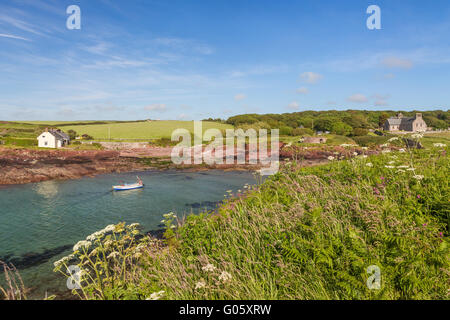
point(53, 139)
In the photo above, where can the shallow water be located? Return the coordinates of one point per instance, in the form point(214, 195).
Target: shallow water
point(40, 222)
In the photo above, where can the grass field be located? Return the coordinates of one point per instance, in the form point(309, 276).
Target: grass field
point(140, 130)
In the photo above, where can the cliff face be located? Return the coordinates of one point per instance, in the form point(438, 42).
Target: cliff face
point(19, 166)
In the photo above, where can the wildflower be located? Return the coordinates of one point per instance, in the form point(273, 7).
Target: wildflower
point(417, 136)
point(402, 167)
point(393, 139)
point(391, 162)
point(389, 167)
point(369, 164)
point(82, 244)
point(355, 153)
point(410, 169)
point(156, 295)
point(134, 225)
point(331, 158)
point(209, 268)
point(386, 151)
point(401, 150)
point(109, 228)
point(401, 170)
point(199, 285)
point(225, 276)
point(418, 196)
point(60, 262)
point(439, 145)
point(112, 255)
point(418, 177)
point(384, 145)
point(365, 148)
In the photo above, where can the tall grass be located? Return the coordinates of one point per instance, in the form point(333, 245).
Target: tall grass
point(306, 233)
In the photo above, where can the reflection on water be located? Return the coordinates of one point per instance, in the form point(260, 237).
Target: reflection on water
point(39, 223)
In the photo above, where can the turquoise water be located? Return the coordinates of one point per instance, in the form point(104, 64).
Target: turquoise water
point(40, 222)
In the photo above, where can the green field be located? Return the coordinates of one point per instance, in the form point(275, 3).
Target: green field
point(139, 130)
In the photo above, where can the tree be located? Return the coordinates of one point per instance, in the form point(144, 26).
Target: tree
point(383, 117)
point(72, 134)
point(341, 128)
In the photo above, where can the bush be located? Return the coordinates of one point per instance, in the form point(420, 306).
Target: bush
point(368, 141)
point(286, 131)
point(360, 132)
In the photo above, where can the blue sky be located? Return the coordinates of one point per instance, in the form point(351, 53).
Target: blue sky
point(192, 59)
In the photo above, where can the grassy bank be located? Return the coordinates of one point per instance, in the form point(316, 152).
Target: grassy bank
point(308, 233)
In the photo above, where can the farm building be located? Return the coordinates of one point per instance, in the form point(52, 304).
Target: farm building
point(53, 139)
point(401, 123)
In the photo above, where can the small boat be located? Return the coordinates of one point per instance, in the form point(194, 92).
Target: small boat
point(138, 185)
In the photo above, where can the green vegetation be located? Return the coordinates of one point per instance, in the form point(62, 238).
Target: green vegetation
point(338, 122)
point(139, 130)
point(305, 233)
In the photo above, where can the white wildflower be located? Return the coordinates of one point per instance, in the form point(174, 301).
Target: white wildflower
point(401, 170)
point(225, 276)
point(410, 169)
point(418, 177)
point(209, 268)
point(82, 244)
point(401, 150)
point(402, 167)
point(112, 255)
point(417, 136)
point(384, 145)
point(199, 285)
point(439, 145)
point(393, 139)
point(369, 164)
point(386, 151)
point(389, 167)
point(365, 148)
point(331, 158)
point(156, 295)
point(355, 153)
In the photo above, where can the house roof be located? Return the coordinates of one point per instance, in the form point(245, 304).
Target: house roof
point(59, 135)
point(397, 121)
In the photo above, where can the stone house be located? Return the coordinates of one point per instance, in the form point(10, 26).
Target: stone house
point(401, 123)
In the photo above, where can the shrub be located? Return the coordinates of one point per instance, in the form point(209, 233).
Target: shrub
point(360, 132)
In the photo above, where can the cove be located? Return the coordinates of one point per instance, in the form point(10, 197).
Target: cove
point(40, 222)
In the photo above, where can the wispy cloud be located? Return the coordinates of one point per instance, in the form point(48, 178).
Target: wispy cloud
point(311, 77)
point(240, 97)
point(11, 36)
point(357, 98)
point(396, 62)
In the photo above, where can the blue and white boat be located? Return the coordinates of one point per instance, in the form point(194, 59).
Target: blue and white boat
point(123, 187)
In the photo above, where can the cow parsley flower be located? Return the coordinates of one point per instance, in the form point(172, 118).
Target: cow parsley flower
point(418, 177)
point(331, 158)
point(156, 295)
point(225, 276)
point(369, 164)
point(209, 268)
point(199, 285)
point(82, 244)
point(439, 145)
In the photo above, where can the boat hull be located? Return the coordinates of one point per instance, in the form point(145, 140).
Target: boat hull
point(128, 187)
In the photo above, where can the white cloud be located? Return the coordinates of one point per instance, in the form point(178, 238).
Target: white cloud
point(311, 77)
point(159, 107)
point(240, 97)
point(302, 90)
point(293, 105)
point(394, 62)
point(358, 98)
point(11, 36)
